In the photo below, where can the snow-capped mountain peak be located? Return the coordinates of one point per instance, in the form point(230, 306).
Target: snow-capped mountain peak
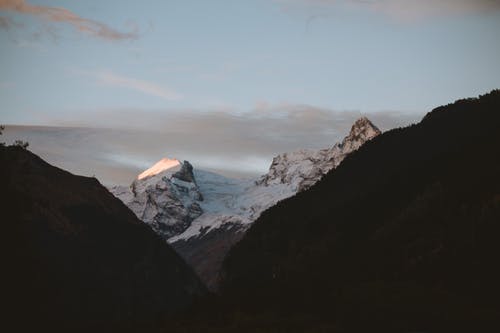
point(160, 166)
point(302, 168)
point(164, 196)
point(202, 214)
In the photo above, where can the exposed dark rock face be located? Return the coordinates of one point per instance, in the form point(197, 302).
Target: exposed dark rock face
point(76, 258)
point(186, 173)
point(206, 252)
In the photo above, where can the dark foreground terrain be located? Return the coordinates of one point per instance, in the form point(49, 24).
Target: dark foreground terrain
point(402, 237)
point(74, 258)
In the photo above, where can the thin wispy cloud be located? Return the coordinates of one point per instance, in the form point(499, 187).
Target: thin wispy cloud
point(149, 88)
point(63, 16)
point(405, 9)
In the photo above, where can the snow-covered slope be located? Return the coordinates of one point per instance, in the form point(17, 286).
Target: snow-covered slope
point(202, 214)
point(301, 169)
point(231, 201)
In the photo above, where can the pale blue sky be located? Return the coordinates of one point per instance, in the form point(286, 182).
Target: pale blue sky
point(240, 56)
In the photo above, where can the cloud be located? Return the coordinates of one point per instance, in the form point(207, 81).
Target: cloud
point(62, 15)
point(405, 9)
point(146, 87)
point(229, 142)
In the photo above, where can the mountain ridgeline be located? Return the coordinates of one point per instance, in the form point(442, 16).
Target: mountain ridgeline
point(401, 237)
point(76, 258)
point(202, 214)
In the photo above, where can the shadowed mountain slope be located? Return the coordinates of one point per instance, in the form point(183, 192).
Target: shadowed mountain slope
point(77, 258)
point(401, 237)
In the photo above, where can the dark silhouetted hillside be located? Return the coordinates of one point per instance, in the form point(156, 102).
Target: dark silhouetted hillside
point(76, 258)
point(403, 236)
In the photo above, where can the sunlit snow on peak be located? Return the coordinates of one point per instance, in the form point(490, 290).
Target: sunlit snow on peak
point(161, 165)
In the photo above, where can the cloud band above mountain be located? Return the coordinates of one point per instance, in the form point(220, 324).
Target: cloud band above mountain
point(233, 143)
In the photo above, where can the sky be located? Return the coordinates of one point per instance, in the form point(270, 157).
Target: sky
point(145, 65)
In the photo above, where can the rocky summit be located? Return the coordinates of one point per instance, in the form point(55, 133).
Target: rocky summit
point(168, 199)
